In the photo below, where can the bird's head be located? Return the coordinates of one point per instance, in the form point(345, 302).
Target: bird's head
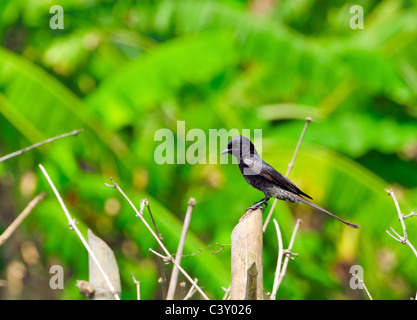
point(239, 147)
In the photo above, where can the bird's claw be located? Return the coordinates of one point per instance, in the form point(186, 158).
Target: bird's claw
point(258, 205)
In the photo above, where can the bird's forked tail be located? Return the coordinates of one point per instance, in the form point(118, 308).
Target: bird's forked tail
point(327, 212)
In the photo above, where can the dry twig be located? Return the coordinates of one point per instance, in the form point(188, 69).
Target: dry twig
point(191, 292)
point(279, 260)
point(361, 282)
point(168, 256)
point(13, 226)
point(290, 166)
point(226, 293)
point(279, 276)
point(174, 274)
point(200, 250)
point(36, 145)
point(137, 283)
point(75, 228)
point(143, 203)
point(401, 239)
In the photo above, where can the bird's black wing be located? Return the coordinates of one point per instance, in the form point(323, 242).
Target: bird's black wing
point(263, 169)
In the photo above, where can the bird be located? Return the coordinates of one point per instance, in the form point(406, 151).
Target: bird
point(265, 178)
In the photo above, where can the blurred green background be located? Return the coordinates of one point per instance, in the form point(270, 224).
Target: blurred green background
point(124, 69)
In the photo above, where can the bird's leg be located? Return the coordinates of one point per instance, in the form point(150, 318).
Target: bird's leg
point(258, 204)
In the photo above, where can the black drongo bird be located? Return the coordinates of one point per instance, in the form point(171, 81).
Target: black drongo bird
point(263, 177)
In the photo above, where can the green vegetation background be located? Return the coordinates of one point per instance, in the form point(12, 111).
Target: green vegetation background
point(124, 69)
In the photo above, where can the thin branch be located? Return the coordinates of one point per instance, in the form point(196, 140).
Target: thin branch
point(279, 260)
point(412, 214)
point(191, 292)
point(288, 254)
point(363, 284)
point(169, 258)
point(226, 293)
point(400, 215)
point(408, 243)
point(402, 239)
point(168, 255)
point(36, 145)
point(200, 250)
point(75, 228)
point(175, 271)
point(397, 236)
point(22, 216)
point(290, 166)
point(165, 258)
point(143, 203)
point(137, 283)
point(271, 211)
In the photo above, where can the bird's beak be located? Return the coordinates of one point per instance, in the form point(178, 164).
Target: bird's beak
point(225, 151)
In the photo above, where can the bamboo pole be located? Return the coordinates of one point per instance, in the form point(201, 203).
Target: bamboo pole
point(108, 262)
point(247, 256)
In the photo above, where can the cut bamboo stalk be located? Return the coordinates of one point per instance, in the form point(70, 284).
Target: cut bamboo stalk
point(247, 256)
point(107, 260)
